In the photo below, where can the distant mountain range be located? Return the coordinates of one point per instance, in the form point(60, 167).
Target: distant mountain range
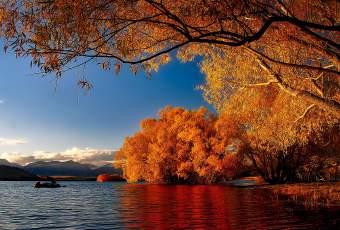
point(107, 169)
point(62, 168)
point(7, 163)
point(58, 168)
point(14, 173)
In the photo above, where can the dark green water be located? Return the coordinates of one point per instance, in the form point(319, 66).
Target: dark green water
point(90, 205)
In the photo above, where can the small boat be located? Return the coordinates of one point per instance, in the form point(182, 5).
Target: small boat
point(47, 185)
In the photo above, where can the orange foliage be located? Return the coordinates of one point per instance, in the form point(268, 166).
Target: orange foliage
point(291, 44)
point(181, 146)
point(282, 139)
point(184, 146)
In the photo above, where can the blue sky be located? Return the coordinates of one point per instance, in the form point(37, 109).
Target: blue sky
point(35, 115)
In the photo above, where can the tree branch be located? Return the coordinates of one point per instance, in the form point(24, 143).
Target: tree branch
point(305, 112)
point(331, 105)
point(315, 68)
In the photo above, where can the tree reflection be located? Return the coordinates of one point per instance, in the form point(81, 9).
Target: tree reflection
point(204, 207)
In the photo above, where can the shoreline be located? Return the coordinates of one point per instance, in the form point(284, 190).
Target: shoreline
point(311, 195)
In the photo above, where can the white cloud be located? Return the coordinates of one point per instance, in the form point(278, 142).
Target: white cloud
point(86, 155)
point(2, 101)
point(7, 141)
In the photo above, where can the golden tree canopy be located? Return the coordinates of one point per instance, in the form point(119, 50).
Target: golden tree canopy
point(181, 146)
point(292, 44)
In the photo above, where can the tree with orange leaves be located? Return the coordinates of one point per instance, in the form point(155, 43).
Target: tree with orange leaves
point(291, 44)
point(273, 141)
point(181, 147)
point(283, 141)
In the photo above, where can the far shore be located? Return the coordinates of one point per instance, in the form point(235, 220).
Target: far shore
point(74, 178)
point(57, 178)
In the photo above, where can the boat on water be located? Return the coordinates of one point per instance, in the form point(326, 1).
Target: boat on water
point(52, 184)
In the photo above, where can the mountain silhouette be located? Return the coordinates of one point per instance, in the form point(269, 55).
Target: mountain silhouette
point(15, 173)
point(59, 168)
point(63, 168)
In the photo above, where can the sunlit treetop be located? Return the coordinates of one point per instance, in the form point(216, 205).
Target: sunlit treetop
point(180, 146)
point(292, 44)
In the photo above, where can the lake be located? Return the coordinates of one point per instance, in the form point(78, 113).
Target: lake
point(91, 205)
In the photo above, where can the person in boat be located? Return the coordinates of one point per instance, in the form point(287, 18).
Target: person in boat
point(53, 181)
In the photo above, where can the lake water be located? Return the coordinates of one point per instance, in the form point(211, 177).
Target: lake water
point(91, 205)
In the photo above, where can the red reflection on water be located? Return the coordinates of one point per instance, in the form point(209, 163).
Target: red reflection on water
point(199, 207)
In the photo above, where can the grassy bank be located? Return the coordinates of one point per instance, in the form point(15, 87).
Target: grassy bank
point(311, 195)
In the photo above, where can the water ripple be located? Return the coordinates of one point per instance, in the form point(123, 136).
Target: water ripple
point(89, 205)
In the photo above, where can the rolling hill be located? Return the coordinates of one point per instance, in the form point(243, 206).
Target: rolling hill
point(107, 169)
point(14, 173)
point(7, 163)
point(69, 168)
point(59, 168)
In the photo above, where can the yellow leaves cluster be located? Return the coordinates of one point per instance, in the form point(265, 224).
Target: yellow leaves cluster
point(142, 32)
point(274, 120)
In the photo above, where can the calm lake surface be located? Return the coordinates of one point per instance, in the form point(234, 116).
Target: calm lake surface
point(91, 205)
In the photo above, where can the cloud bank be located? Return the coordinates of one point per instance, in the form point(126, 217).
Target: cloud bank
point(86, 156)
